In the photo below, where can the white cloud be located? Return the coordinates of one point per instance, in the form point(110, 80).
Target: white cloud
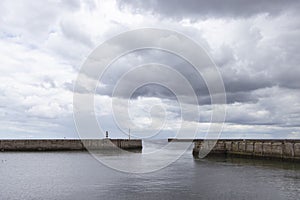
point(43, 44)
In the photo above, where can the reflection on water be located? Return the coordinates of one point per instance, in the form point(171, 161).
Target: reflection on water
point(258, 162)
point(77, 175)
point(264, 178)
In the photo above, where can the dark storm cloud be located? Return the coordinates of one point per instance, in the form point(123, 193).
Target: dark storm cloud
point(267, 69)
point(154, 90)
point(237, 83)
point(215, 8)
point(238, 87)
point(290, 79)
point(233, 97)
point(246, 66)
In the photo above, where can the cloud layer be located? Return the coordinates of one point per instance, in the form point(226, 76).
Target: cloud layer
point(254, 44)
point(195, 9)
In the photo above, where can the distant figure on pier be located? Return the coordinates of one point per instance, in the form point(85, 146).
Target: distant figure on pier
point(106, 134)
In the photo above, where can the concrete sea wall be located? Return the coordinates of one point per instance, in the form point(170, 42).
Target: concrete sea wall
point(67, 144)
point(282, 149)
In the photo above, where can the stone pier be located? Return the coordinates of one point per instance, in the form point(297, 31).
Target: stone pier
point(280, 149)
point(69, 144)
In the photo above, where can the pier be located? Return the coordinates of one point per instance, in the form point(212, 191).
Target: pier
point(279, 149)
point(69, 144)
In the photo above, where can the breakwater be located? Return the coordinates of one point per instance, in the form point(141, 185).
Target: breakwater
point(281, 149)
point(69, 144)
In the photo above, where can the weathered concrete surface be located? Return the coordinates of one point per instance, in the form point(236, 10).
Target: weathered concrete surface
point(282, 149)
point(180, 140)
point(66, 144)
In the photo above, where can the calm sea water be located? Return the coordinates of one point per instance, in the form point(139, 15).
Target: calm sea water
point(77, 175)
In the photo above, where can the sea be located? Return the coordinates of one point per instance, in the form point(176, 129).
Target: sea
point(82, 175)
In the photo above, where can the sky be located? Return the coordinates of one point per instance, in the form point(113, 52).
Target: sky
point(254, 44)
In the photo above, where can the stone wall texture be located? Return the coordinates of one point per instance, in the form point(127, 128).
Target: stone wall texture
point(67, 144)
point(283, 149)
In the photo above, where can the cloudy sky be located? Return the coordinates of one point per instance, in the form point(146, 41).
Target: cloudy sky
point(255, 45)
